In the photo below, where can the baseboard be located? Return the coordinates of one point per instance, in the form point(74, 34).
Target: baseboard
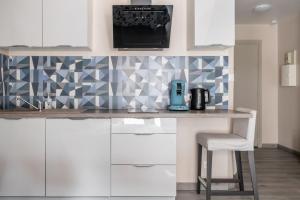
point(193, 186)
point(270, 146)
point(186, 186)
point(287, 149)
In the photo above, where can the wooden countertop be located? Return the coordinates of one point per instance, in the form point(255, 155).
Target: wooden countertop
point(121, 114)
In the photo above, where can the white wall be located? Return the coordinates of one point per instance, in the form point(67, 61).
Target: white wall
point(289, 97)
point(270, 81)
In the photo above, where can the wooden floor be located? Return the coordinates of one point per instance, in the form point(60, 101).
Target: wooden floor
point(278, 174)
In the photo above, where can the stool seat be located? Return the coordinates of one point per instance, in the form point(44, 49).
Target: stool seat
point(219, 141)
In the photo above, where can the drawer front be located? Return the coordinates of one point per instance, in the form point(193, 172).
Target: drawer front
point(130, 180)
point(143, 149)
point(133, 125)
point(78, 126)
point(141, 198)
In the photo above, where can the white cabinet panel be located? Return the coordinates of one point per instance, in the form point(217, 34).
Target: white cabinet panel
point(67, 23)
point(157, 180)
point(78, 157)
point(143, 149)
point(69, 198)
point(133, 125)
point(142, 198)
point(22, 157)
point(21, 23)
point(214, 22)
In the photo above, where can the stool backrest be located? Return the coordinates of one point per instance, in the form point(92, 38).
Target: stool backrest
point(245, 127)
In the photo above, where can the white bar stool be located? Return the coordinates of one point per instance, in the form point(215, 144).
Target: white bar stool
point(242, 139)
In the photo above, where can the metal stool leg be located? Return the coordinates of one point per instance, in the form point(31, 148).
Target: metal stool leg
point(253, 174)
point(208, 175)
point(199, 168)
point(239, 169)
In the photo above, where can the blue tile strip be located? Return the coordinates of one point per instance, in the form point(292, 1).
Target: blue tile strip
point(117, 82)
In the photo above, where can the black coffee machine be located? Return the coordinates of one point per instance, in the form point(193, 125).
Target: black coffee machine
point(200, 97)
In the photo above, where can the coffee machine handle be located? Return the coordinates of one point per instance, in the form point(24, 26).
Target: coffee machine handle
point(207, 92)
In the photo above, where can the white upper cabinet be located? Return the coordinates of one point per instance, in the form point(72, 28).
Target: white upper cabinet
point(21, 23)
point(67, 23)
point(214, 23)
point(45, 23)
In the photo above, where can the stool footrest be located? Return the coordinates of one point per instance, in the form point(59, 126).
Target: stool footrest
point(231, 193)
point(225, 192)
point(218, 180)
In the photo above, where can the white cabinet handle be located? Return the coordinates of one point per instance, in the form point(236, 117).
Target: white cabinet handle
point(213, 45)
point(63, 46)
point(143, 166)
point(19, 46)
point(77, 119)
point(12, 118)
point(143, 134)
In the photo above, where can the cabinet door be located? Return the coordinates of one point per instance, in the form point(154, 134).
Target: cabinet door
point(66, 23)
point(140, 126)
point(77, 157)
point(214, 22)
point(22, 157)
point(21, 23)
point(143, 149)
point(143, 180)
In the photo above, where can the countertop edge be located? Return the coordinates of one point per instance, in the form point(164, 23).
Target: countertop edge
point(124, 114)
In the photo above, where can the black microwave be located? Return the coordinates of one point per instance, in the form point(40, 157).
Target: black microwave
point(142, 26)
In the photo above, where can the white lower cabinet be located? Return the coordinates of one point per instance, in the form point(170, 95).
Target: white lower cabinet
point(140, 125)
point(143, 148)
point(78, 157)
point(143, 180)
point(22, 157)
point(142, 198)
point(143, 159)
point(84, 159)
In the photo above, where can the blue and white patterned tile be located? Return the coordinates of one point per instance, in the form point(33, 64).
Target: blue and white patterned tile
point(64, 102)
point(119, 82)
point(38, 62)
point(37, 89)
point(143, 79)
point(210, 62)
point(1, 68)
point(1, 90)
point(18, 89)
point(19, 62)
point(195, 63)
point(173, 62)
point(211, 72)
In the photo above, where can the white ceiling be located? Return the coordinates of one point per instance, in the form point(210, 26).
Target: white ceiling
point(280, 9)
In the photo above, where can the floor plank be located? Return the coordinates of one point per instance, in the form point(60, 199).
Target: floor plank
point(278, 175)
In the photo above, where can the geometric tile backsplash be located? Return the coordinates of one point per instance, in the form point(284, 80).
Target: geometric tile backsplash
point(117, 82)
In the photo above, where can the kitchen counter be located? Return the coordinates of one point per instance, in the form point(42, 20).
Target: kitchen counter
point(63, 139)
point(122, 114)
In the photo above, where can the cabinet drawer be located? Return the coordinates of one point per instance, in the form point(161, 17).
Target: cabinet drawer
point(156, 180)
point(133, 125)
point(78, 126)
point(143, 149)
